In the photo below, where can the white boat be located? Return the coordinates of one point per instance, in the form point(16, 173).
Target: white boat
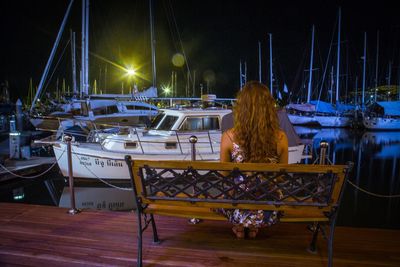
point(100, 111)
point(49, 122)
point(301, 114)
point(167, 139)
point(384, 115)
point(320, 112)
point(338, 115)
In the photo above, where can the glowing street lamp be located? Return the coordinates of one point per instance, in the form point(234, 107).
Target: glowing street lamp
point(166, 89)
point(131, 72)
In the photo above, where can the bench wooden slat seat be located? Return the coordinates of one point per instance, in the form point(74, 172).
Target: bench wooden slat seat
point(207, 214)
point(194, 189)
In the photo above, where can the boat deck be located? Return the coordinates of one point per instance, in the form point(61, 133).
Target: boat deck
point(32, 235)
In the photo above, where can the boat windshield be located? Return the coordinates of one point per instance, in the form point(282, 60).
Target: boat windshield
point(157, 120)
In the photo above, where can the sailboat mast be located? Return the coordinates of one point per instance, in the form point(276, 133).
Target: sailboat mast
point(311, 65)
point(153, 45)
point(377, 64)
point(356, 94)
point(87, 48)
point(73, 53)
point(331, 86)
point(270, 64)
point(83, 48)
point(259, 61)
point(389, 74)
point(364, 66)
point(398, 86)
point(50, 60)
point(338, 56)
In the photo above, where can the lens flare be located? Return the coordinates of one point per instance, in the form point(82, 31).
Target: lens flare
point(178, 60)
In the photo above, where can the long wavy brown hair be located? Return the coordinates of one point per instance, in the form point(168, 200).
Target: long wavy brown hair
point(256, 123)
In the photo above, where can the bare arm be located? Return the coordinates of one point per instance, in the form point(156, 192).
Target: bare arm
point(226, 147)
point(283, 148)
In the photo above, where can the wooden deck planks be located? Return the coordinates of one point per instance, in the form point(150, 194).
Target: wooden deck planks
point(32, 235)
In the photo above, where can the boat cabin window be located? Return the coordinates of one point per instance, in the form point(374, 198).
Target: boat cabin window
point(105, 110)
point(200, 123)
point(167, 123)
point(134, 107)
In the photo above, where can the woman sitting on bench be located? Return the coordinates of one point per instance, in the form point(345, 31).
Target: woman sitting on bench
point(255, 137)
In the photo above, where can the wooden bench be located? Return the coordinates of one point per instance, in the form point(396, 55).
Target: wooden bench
point(193, 189)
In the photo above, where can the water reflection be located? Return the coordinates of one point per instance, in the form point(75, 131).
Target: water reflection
point(385, 144)
point(45, 190)
point(53, 190)
point(376, 157)
point(99, 198)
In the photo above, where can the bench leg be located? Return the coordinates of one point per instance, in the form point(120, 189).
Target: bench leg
point(313, 244)
point(140, 235)
point(330, 240)
point(153, 225)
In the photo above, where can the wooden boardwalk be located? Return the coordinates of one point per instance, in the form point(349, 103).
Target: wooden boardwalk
point(32, 235)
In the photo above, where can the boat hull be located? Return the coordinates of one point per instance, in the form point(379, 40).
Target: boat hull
point(95, 163)
point(376, 123)
point(333, 121)
point(45, 123)
point(301, 119)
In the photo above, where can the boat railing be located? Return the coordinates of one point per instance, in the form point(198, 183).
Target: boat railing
point(101, 133)
point(176, 142)
point(179, 142)
point(95, 132)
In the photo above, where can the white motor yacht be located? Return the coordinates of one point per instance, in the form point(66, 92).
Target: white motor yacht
point(166, 139)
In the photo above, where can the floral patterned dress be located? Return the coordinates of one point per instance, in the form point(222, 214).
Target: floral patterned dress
point(247, 218)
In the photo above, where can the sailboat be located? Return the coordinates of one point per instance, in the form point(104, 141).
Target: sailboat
point(320, 112)
point(340, 115)
point(111, 110)
point(382, 115)
point(303, 114)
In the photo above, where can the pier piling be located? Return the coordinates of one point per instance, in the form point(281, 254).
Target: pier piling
point(73, 210)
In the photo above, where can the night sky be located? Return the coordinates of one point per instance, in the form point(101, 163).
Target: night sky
point(215, 36)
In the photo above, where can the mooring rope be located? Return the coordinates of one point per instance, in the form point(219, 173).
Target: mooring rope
point(34, 176)
point(371, 193)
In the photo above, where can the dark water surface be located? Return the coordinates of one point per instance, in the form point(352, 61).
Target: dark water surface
point(376, 158)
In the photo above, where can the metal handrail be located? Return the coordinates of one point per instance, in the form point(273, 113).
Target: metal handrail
point(178, 140)
point(178, 135)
